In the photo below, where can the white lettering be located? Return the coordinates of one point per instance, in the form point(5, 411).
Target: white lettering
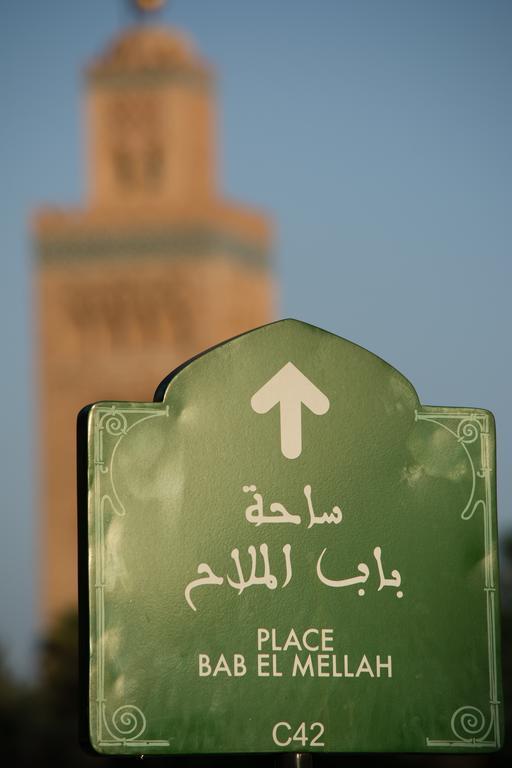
point(292, 641)
point(275, 735)
point(298, 667)
point(364, 666)
point(222, 666)
point(323, 665)
point(263, 636)
point(239, 668)
point(204, 665)
point(385, 665)
point(327, 637)
point(305, 636)
point(263, 664)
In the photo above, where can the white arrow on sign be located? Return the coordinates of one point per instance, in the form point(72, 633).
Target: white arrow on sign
point(290, 388)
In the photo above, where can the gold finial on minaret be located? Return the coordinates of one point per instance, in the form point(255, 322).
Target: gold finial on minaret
point(149, 5)
point(142, 8)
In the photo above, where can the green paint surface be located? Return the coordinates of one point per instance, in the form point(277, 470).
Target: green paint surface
point(209, 554)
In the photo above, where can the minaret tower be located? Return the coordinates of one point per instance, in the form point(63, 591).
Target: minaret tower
point(154, 268)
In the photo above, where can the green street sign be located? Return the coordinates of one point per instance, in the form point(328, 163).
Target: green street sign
point(287, 552)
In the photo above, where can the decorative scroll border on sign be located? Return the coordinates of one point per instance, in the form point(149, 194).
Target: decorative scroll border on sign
point(127, 724)
point(469, 725)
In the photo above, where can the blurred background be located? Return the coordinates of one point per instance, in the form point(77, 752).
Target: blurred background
point(176, 173)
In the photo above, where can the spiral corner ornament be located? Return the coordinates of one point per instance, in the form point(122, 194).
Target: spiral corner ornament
point(128, 722)
point(468, 723)
point(468, 431)
point(114, 422)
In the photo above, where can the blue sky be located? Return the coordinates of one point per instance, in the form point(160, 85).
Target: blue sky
point(378, 136)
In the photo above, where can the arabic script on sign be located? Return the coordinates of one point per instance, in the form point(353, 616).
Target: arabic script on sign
point(261, 575)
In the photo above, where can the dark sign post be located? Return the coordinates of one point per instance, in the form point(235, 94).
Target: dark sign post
point(287, 552)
